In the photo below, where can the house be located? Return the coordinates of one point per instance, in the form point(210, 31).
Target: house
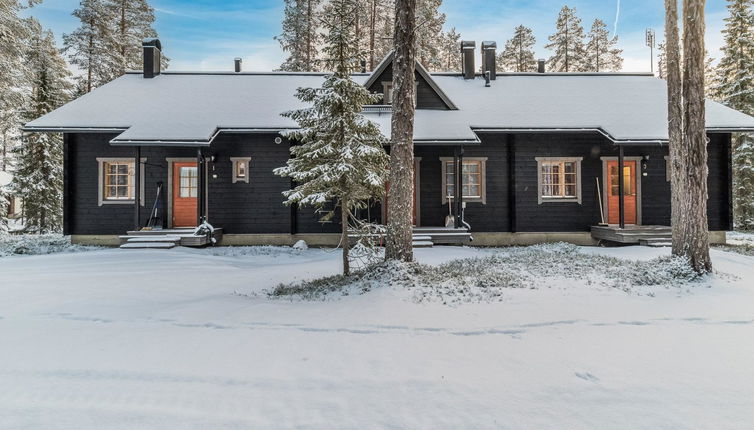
point(540, 154)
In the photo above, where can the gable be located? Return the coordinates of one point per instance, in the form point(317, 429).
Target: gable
point(428, 94)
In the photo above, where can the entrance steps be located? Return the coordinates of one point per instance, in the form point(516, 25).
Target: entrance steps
point(165, 238)
point(645, 235)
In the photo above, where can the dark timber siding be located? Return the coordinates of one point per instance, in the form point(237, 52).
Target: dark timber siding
point(426, 97)
point(257, 207)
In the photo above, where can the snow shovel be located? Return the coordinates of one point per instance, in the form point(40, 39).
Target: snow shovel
point(155, 221)
point(450, 220)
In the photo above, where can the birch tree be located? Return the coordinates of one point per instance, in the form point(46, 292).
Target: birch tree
point(518, 55)
point(601, 53)
point(734, 87)
point(400, 194)
point(567, 42)
point(688, 139)
point(340, 156)
point(39, 174)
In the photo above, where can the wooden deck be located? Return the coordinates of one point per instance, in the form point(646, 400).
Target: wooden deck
point(650, 235)
point(167, 238)
point(427, 237)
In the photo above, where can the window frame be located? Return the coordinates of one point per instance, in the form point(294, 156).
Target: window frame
point(101, 200)
point(483, 179)
point(236, 161)
point(540, 186)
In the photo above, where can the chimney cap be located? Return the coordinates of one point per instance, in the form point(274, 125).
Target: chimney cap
point(468, 44)
point(151, 41)
point(489, 44)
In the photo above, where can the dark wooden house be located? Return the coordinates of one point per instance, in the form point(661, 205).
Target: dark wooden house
point(540, 155)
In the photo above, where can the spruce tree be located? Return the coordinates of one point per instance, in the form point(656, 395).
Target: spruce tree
point(38, 179)
point(132, 22)
point(518, 55)
point(734, 87)
point(339, 156)
point(301, 35)
point(90, 46)
point(567, 42)
point(601, 53)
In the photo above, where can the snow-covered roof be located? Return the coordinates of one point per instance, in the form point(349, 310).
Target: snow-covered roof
point(190, 108)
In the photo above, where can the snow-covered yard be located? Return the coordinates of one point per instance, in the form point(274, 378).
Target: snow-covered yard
point(188, 338)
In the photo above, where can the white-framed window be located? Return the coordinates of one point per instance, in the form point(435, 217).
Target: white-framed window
point(559, 179)
point(117, 184)
point(240, 169)
point(473, 177)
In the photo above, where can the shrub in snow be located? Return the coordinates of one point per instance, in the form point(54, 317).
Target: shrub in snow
point(38, 244)
point(300, 245)
point(487, 278)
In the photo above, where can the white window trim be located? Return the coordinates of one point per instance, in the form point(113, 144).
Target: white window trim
point(483, 198)
point(541, 199)
point(235, 161)
point(101, 181)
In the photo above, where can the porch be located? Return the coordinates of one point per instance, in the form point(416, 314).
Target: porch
point(168, 238)
point(646, 235)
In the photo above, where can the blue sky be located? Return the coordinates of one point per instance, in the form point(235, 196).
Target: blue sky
point(208, 34)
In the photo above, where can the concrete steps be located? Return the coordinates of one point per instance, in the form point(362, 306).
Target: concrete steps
point(153, 241)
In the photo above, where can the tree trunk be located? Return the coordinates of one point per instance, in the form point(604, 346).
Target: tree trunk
point(344, 212)
point(695, 227)
point(372, 34)
point(400, 195)
point(675, 124)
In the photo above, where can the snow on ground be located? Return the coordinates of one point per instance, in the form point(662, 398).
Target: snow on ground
point(187, 338)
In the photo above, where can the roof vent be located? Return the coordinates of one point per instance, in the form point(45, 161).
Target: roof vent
point(488, 59)
point(541, 65)
point(152, 57)
point(237, 62)
point(467, 52)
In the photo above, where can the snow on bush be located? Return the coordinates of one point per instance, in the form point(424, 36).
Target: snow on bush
point(486, 278)
point(38, 244)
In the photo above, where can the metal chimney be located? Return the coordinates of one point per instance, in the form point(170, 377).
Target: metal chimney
point(237, 62)
point(467, 51)
point(488, 58)
point(152, 57)
point(541, 65)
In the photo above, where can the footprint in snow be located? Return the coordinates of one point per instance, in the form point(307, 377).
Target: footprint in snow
point(586, 376)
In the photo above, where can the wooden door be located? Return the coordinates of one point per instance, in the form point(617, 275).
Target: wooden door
point(629, 192)
point(185, 192)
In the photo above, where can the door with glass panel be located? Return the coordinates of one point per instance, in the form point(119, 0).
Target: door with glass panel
point(629, 192)
point(185, 192)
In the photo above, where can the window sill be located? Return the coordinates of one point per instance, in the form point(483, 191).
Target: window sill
point(468, 200)
point(559, 200)
point(118, 202)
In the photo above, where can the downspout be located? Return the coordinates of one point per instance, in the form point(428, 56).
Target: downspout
point(621, 202)
point(137, 188)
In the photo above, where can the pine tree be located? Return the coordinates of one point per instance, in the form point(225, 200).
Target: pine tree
point(601, 53)
point(14, 32)
point(734, 87)
point(429, 33)
point(662, 61)
point(132, 22)
point(340, 156)
point(90, 46)
point(567, 42)
point(301, 35)
point(400, 196)
point(39, 177)
point(518, 55)
point(450, 57)
point(383, 43)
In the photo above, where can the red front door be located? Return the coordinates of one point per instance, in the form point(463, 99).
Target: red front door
point(185, 191)
point(629, 192)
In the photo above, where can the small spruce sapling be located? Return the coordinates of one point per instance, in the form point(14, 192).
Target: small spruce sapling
point(339, 154)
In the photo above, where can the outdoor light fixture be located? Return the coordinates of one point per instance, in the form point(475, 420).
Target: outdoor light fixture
point(278, 140)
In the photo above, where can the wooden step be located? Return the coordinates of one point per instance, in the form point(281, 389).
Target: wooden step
point(656, 242)
point(148, 245)
point(144, 239)
point(422, 244)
